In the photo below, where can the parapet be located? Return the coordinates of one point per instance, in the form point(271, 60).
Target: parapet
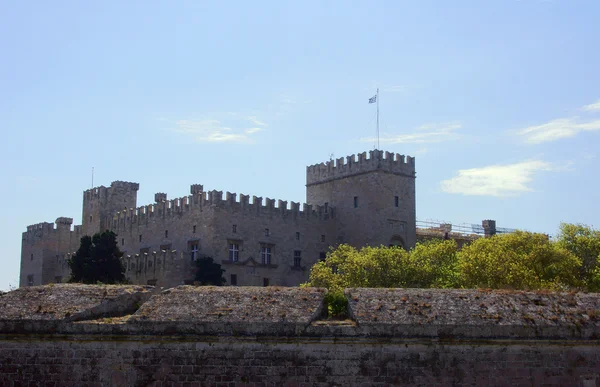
point(214, 199)
point(196, 189)
point(160, 197)
point(282, 311)
point(357, 164)
point(125, 185)
point(64, 221)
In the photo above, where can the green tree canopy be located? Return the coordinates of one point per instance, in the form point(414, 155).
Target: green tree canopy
point(208, 272)
point(584, 242)
point(429, 265)
point(98, 260)
point(520, 260)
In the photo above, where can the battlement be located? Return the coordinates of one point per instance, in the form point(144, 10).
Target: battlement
point(203, 200)
point(46, 228)
point(125, 185)
point(357, 164)
point(102, 191)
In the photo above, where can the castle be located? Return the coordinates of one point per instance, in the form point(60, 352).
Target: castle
point(364, 199)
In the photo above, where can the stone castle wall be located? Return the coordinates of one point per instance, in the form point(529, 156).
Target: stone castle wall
point(161, 240)
point(109, 335)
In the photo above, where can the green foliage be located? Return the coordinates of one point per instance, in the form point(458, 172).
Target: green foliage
point(429, 265)
point(519, 260)
point(433, 264)
point(98, 260)
point(208, 272)
point(337, 304)
point(583, 242)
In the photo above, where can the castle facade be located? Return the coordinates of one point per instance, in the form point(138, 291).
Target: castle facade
point(360, 200)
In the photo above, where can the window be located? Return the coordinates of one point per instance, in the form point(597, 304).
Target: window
point(326, 207)
point(140, 237)
point(194, 251)
point(297, 236)
point(234, 252)
point(356, 202)
point(265, 282)
point(193, 229)
point(322, 256)
point(322, 237)
point(265, 255)
point(396, 201)
point(32, 256)
point(30, 280)
point(234, 228)
point(166, 233)
point(267, 232)
point(122, 241)
point(297, 258)
point(91, 218)
point(233, 280)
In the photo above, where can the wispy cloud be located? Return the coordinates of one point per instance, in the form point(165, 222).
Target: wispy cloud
point(562, 127)
point(593, 107)
point(557, 129)
point(496, 180)
point(428, 133)
point(240, 130)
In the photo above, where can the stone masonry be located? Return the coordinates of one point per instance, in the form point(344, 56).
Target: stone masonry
point(361, 200)
point(73, 335)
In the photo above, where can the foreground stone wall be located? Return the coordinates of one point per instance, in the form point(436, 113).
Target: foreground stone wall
point(276, 336)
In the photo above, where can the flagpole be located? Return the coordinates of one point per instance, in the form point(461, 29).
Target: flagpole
point(378, 118)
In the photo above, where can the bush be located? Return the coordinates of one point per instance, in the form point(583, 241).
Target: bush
point(337, 304)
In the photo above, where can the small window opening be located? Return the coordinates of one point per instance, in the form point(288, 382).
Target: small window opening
point(233, 280)
point(267, 232)
point(140, 237)
point(356, 202)
point(322, 237)
point(265, 282)
point(297, 236)
point(166, 233)
point(297, 258)
point(326, 207)
point(194, 229)
point(234, 228)
point(396, 201)
point(122, 241)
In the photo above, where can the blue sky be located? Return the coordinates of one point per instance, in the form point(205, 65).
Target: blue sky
point(498, 100)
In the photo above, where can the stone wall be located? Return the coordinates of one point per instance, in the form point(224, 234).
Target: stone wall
point(95, 335)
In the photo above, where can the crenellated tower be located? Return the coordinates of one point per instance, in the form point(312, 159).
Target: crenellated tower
point(101, 202)
point(374, 197)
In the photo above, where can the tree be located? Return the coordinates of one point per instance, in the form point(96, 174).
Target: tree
point(98, 259)
point(520, 260)
point(208, 272)
point(584, 242)
point(434, 264)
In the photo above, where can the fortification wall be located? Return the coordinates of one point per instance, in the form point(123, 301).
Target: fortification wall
point(45, 249)
point(74, 335)
point(359, 164)
point(160, 239)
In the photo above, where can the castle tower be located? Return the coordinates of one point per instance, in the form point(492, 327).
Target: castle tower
point(101, 202)
point(373, 198)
